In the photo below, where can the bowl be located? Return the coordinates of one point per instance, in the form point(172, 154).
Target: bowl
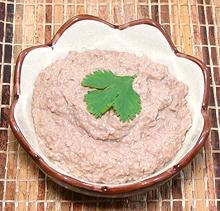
point(141, 37)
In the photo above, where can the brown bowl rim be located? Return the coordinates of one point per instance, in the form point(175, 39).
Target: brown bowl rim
point(103, 189)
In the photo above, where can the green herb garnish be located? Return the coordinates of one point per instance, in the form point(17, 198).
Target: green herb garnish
point(111, 91)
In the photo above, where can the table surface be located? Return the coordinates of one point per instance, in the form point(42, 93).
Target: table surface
point(194, 26)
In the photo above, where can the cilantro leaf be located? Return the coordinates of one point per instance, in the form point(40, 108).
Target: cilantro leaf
point(127, 104)
point(111, 91)
point(99, 79)
point(100, 101)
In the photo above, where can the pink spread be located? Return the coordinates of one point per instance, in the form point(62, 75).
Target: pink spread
point(106, 150)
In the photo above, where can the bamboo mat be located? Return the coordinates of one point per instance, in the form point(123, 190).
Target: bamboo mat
point(194, 26)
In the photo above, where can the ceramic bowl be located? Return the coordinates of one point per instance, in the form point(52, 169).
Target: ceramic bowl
point(141, 37)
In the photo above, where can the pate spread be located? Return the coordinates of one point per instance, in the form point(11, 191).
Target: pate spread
point(106, 150)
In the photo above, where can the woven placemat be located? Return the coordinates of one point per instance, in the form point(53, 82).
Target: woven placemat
point(194, 26)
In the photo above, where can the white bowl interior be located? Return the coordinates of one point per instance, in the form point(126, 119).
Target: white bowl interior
point(140, 40)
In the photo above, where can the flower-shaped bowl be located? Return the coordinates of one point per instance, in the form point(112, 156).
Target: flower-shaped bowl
point(141, 37)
